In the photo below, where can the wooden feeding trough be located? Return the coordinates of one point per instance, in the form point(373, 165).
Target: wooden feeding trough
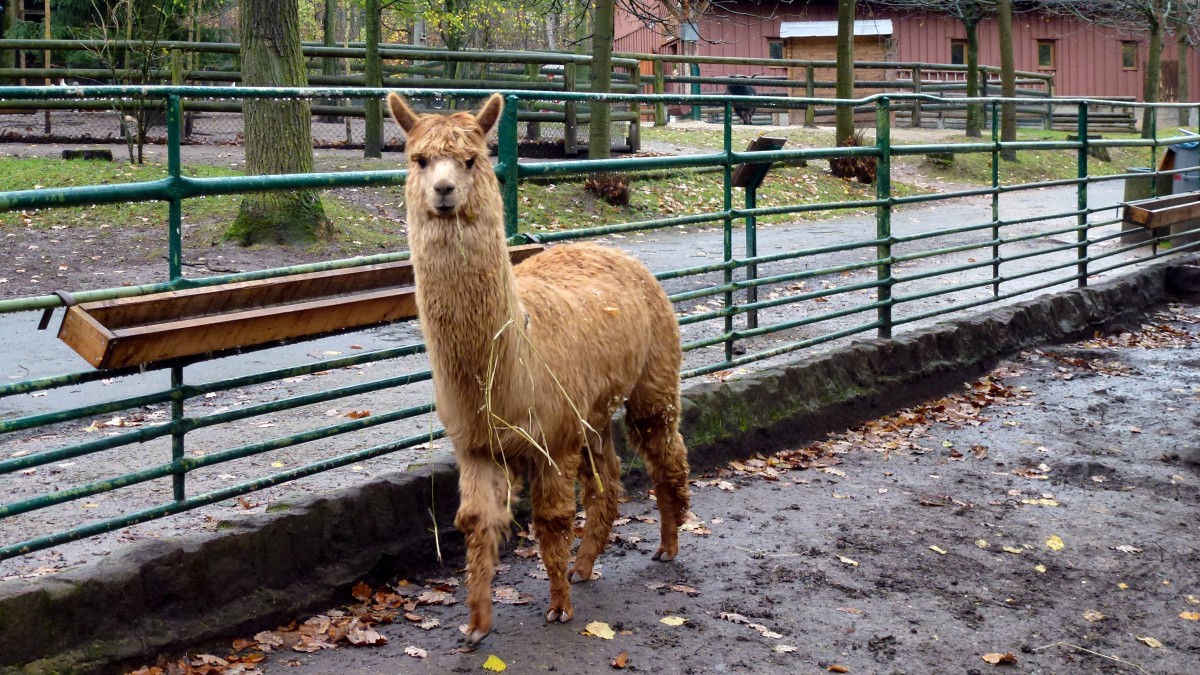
point(1163, 211)
point(178, 324)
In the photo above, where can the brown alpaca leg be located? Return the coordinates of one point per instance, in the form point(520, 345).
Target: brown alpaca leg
point(482, 517)
point(552, 497)
point(600, 502)
point(652, 417)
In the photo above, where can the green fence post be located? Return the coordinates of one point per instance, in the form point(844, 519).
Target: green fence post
point(727, 227)
point(507, 152)
point(175, 203)
point(915, 122)
point(1081, 200)
point(660, 87)
point(570, 120)
point(178, 476)
point(751, 252)
point(883, 214)
point(177, 74)
point(694, 69)
point(635, 127)
point(810, 91)
point(995, 202)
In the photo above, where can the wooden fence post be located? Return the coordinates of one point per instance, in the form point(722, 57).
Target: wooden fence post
point(810, 113)
point(635, 127)
point(660, 87)
point(916, 105)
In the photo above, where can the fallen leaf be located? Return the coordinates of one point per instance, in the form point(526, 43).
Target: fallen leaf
point(429, 624)
point(600, 629)
point(361, 591)
point(358, 414)
point(783, 649)
point(837, 668)
point(1040, 569)
point(507, 595)
point(1013, 549)
point(673, 620)
point(1192, 600)
point(494, 664)
point(1127, 549)
point(849, 610)
point(848, 561)
point(1190, 616)
point(436, 598)
point(1055, 543)
point(1123, 586)
point(995, 658)
point(620, 660)
point(242, 643)
point(686, 590)
point(1151, 642)
point(1043, 501)
point(1135, 430)
point(415, 652)
point(1093, 616)
point(981, 543)
point(938, 549)
point(733, 617)
point(362, 636)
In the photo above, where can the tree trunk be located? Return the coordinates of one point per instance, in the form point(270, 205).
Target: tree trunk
point(600, 130)
point(373, 71)
point(8, 57)
point(1182, 51)
point(329, 39)
point(1150, 93)
point(974, 110)
point(278, 132)
point(1008, 81)
point(845, 69)
point(552, 31)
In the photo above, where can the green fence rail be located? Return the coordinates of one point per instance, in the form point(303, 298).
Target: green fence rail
point(872, 281)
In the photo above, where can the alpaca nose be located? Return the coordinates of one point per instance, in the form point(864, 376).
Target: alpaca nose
point(443, 187)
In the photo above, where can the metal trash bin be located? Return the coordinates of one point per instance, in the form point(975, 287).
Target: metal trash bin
point(1186, 155)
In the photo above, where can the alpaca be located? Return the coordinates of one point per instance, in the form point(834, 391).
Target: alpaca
point(530, 363)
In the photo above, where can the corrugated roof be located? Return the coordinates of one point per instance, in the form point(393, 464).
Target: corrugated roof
point(789, 29)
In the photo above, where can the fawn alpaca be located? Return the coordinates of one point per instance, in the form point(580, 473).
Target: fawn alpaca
point(530, 363)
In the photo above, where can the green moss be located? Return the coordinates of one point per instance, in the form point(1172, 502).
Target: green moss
point(278, 507)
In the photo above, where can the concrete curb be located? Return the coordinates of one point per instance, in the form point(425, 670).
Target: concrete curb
point(257, 572)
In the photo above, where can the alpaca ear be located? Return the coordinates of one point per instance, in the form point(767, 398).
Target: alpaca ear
point(403, 114)
point(490, 112)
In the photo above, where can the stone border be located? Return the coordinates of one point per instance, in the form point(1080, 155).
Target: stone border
point(261, 570)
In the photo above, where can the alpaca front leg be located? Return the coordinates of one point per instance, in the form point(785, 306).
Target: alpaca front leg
point(553, 497)
point(482, 517)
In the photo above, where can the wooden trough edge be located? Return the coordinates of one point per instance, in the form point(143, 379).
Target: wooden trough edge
point(1163, 211)
point(178, 324)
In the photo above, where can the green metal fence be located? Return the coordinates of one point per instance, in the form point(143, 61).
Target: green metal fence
point(869, 277)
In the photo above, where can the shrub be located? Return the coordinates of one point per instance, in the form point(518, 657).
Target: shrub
point(611, 187)
point(862, 168)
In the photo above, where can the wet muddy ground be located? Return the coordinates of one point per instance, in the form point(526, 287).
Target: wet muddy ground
point(1044, 515)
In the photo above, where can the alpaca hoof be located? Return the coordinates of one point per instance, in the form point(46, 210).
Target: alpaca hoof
point(576, 576)
point(558, 615)
point(475, 637)
point(663, 556)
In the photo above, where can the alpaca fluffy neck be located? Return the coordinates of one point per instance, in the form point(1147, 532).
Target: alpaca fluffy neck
point(466, 294)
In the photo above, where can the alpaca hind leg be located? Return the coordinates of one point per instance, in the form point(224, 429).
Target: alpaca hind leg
point(482, 518)
point(553, 500)
point(600, 502)
point(653, 424)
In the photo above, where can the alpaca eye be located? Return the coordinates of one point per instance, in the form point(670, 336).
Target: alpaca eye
point(422, 162)
point(471, 163)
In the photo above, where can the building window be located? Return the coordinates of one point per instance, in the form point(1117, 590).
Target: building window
point(958, 52)
point(774, 49)
point(1045, 53)
point(1129, 55)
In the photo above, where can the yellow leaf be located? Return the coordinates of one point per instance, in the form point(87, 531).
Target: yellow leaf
point(1123, 586)
point(1190, 616)
point(600, 630)
point(494, 664)
point(981, 543)
point(1040, 502)
point(938, 549)
point(1012, 549)
point(1093, 616)
point(996, 658)
point(1041, 569)
point(673, 620)
point(844, 559)
point(277, 465)
point(1192, 600)
point(1151, 642)
point(1055, 543)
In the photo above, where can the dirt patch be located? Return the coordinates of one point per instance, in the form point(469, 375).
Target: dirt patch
point(1044, 512)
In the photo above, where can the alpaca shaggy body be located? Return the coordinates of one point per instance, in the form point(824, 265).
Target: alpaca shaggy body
point(530, 363)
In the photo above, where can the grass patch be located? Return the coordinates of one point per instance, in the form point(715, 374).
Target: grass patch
point(566, 205)
point(205, 218)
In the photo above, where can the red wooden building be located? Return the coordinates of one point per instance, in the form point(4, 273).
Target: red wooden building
point(1085, 59)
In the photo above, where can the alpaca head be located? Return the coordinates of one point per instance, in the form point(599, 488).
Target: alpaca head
point(448, 170)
